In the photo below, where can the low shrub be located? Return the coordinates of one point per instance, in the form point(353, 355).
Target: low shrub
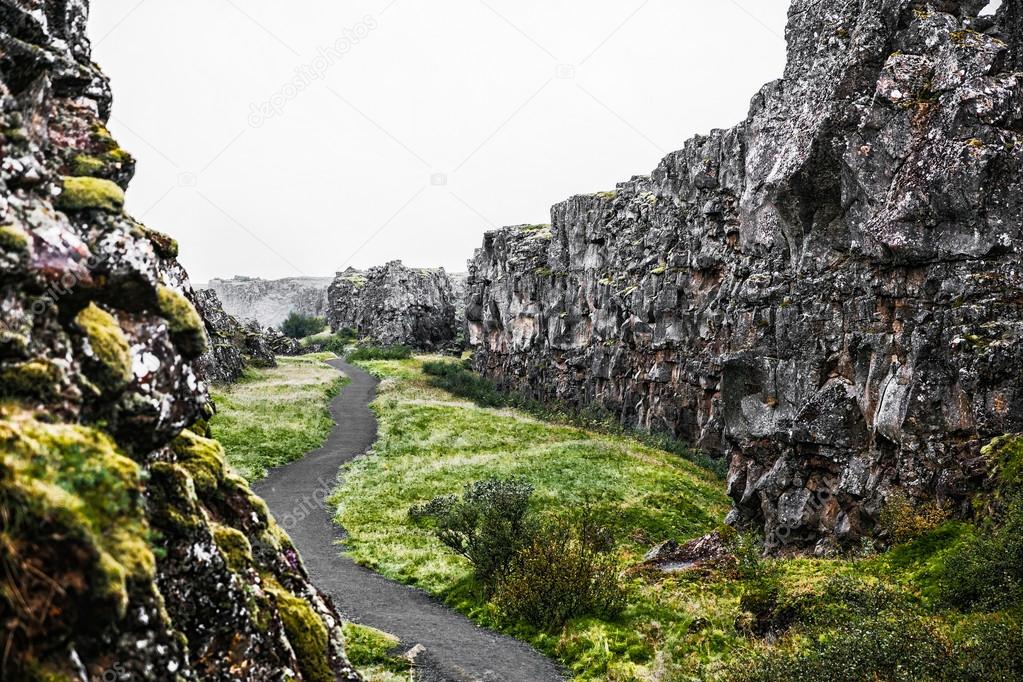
point(368, 353)
point(985, 569)
point(903, 520)
point(568, 568)
point(487, 525)
point(299, 326)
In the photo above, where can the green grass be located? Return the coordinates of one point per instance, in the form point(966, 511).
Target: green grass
point(683, 626)
point(275, 416)
point(432, 443)
point(370, 651)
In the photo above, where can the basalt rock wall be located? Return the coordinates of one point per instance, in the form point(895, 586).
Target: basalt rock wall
point(269, 302)
point(393, 304)
point(129, 550)
point(828, 294)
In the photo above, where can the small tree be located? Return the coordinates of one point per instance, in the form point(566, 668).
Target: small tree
point(299, 326)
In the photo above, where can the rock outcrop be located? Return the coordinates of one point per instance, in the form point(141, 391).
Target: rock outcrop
point(829, 294)
point(395, 305)
point(269, 302)
point(234, 346)
point(128, 549)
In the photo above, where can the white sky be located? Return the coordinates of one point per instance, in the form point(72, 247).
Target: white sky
point(441, 120)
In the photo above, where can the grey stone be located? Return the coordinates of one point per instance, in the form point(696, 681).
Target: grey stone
point(835, 282)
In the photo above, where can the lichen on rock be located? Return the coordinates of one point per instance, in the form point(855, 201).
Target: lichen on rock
point(107, 345)
point(124, 539)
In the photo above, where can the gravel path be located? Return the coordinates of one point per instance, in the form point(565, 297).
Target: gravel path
point(451, 648)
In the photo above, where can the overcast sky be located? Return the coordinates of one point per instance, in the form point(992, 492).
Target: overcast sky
point(296, 137)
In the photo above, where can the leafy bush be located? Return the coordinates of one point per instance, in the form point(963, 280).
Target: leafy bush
point(893, 647)
point(339, 342)
point(985, 570)
point(568, 568)
point(902, 520)
point(367, 353)
point(487, 525)
point(299, 326)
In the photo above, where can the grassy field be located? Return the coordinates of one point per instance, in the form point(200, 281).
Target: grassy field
point(759, 619)
point(431, 443)
point(275, 416)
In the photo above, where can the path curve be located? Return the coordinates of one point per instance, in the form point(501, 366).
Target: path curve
point(454, 649)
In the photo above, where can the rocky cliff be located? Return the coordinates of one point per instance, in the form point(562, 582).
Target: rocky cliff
point(393, 304)
point(269, 302)
point(233, 346)
point(828, 294)
point(128, 549)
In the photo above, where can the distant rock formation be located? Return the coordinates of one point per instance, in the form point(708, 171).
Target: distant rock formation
point(234, 346)
point(829, 294)
point(395, 305)
point(269, 302)
point(129, 550)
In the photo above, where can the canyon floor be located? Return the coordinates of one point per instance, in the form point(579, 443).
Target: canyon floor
point(397, 435)
point(449, 645)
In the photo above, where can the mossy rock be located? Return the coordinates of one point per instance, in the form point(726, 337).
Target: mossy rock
point(110, 349)
point(39, 378)
point(183, 321)
point(235, 547)
point(75, 480)
point(306, 631)
point(85, 193)
point(84, 165)
point(13, 238)
point(202, 458)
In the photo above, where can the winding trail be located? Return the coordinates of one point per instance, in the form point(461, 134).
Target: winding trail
point(453, 649)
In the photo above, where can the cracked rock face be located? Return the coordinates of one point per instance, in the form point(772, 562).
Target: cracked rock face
point(395, 305)
point(828, 294)
point(269, 302)
point(129, 549)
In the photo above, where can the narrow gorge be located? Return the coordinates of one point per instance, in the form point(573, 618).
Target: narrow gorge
point(754, 417)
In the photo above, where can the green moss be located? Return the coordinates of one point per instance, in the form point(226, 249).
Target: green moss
point(13, 238)
point(109, 346)
point(202, 458)
point(609, 196)
point(84, 193)
point(357, 281)
point(84, 165)
point(165, 245)
point(40, 378)
point(76, 478)
point(235, 547)
point(306, 631)
point(183, 320)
